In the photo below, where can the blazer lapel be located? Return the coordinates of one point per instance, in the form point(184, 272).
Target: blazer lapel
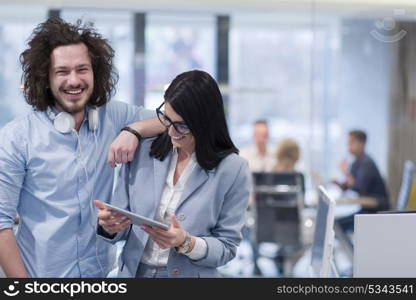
point(161, 169)
point(196, 179)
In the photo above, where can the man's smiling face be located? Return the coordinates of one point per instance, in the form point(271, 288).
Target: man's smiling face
point(71, 77)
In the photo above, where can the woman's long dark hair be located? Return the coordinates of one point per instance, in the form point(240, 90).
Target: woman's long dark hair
point(195, 96)
point(36, 60)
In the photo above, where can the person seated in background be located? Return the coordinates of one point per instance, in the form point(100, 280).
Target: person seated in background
point(363, 177)
point(260, 157)
point(287, 155)
point(191, 176)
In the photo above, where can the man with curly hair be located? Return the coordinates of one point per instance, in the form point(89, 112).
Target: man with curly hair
point(53, 161)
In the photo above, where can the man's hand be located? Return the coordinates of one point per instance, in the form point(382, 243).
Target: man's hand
point(342, 186)
point(10, 259)
point(343, 166)
point(336, 182)
point(122, 149)
point(111, 221)
point(124, 146)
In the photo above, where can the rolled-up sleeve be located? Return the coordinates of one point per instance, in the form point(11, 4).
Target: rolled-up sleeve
point(226, 236)
point(12, 174)
point(199, 251)
point(147, 114)
point(121, 200)
point(123, 114)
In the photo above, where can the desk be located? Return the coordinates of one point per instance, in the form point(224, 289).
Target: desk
point(384, 245)
point(365, 202)
point(348, 206)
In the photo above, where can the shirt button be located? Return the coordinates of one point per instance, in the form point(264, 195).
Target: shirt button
point(181, 217)
point(175, 272)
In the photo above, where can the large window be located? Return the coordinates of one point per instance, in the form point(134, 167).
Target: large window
point(276, 75)
point(312, 79)
point(16, 25)
point(176, 43)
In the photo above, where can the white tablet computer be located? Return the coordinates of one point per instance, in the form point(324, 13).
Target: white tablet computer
point(138, 219)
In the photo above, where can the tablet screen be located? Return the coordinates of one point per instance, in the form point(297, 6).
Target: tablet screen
point(138, 219)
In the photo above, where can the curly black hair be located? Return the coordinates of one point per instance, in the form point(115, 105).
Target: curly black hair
point(36, 61)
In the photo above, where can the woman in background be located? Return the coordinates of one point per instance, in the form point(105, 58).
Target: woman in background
point(287, 155)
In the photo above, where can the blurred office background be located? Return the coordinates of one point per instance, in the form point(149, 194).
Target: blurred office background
point(313, 69)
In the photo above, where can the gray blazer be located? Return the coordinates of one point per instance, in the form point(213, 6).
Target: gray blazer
point(212, 206)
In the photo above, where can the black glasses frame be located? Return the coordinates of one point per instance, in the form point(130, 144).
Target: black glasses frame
point(161, 115)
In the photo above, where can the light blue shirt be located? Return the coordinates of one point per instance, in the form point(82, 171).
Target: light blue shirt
point(50, 179)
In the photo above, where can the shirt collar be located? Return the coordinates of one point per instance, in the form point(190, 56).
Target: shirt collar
point(175, 154)
point(87, 109)
point(188, 169)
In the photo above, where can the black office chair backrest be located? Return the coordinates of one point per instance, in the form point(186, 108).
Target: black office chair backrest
point(279, 199)
point(279, 178)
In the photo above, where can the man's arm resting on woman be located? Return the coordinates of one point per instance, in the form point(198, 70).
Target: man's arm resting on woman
point(124, 146)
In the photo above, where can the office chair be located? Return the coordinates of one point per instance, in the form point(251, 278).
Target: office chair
point(279, 201)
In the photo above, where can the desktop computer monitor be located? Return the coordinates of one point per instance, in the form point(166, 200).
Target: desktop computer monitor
point(321, 252)
point(406, 186)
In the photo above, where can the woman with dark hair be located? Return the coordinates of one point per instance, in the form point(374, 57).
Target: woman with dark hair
point(189, 176)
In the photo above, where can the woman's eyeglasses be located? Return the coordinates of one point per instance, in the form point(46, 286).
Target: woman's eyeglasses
point(180, 127)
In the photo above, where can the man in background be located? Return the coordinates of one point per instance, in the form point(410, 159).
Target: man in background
point(260, 157)
point(363, 177)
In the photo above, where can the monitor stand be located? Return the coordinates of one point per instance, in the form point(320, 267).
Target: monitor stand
point(334, 269)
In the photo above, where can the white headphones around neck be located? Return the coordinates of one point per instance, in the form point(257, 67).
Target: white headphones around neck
point(65, 122)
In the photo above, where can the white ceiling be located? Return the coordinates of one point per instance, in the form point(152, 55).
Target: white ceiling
point(340, 7)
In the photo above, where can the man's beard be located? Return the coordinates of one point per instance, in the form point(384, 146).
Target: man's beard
point(73, 109)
